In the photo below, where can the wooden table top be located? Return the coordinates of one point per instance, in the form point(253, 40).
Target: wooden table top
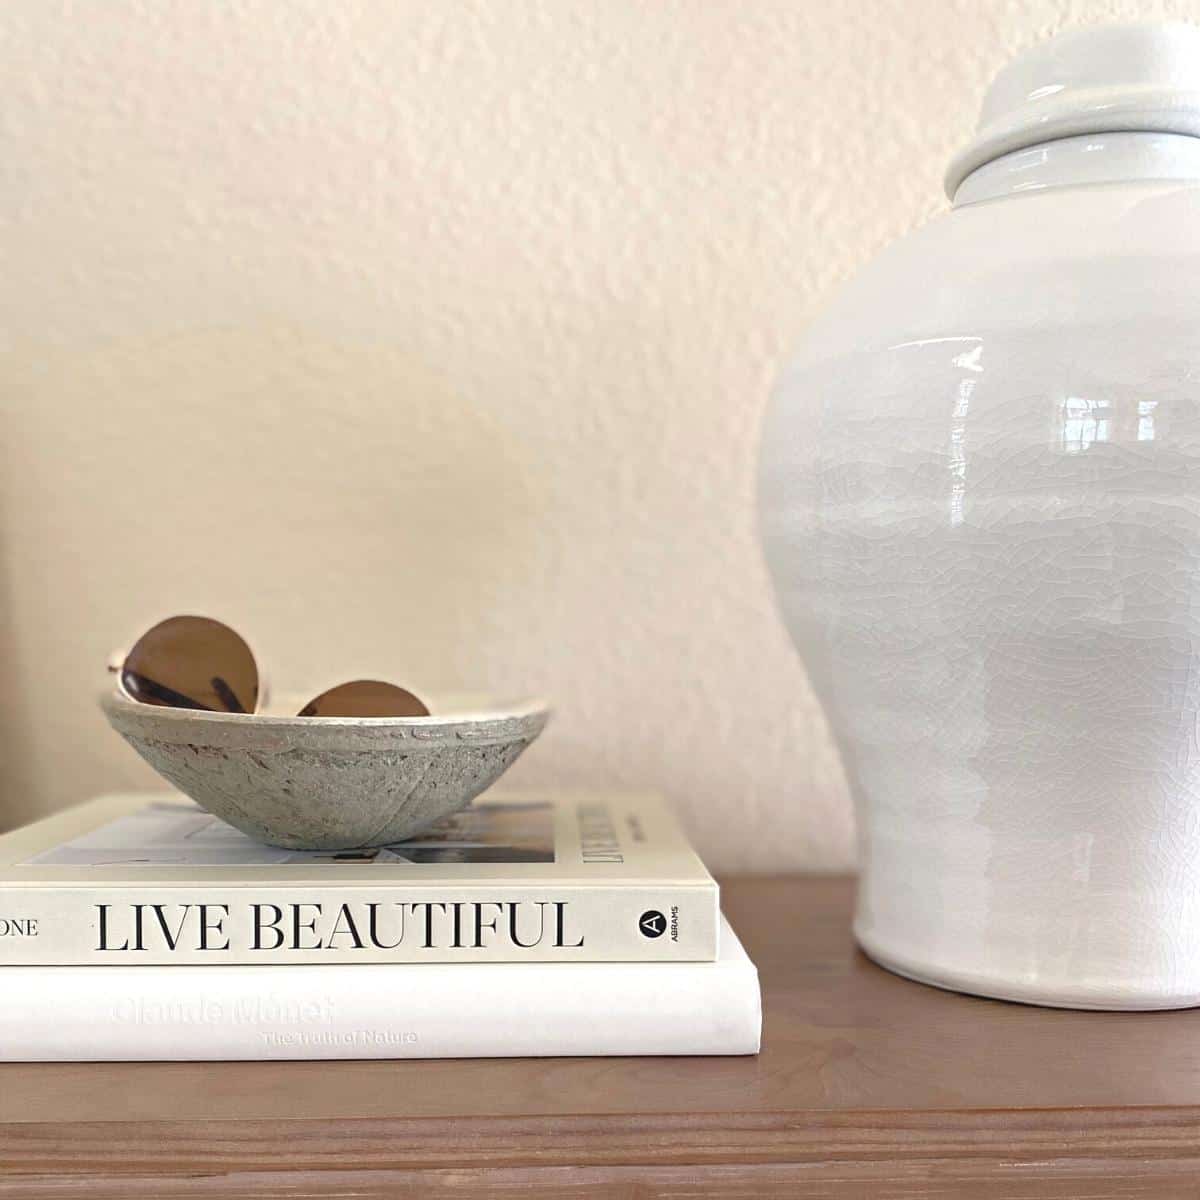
point(867, 1085)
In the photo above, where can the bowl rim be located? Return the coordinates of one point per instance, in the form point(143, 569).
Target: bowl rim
point(113, 700)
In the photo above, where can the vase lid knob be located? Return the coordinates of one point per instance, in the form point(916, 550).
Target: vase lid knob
point(1142, 77)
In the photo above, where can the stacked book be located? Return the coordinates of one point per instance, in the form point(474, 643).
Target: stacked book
point(141, 927)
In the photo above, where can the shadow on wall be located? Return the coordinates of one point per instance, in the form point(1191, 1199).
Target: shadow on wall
point(352, 511)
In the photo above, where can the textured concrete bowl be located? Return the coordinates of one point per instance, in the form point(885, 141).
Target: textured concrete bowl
point(328, 783)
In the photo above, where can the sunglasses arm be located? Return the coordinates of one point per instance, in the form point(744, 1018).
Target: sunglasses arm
point(116, 660)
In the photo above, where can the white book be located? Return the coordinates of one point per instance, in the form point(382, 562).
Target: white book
point(409, 1010)
point(146, 880)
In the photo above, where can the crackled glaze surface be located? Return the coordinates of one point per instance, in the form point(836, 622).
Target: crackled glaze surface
point(980, 498)
point(326, 784)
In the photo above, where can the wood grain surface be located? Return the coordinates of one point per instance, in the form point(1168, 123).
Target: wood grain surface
point(868, 1085)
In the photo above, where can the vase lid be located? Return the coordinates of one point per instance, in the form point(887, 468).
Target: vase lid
point(1142, 77)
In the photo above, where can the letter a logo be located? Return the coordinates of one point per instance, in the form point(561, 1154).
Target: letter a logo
point(652, 924)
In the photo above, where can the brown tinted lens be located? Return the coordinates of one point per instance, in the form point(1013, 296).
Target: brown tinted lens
point(365, 698)
point(192, 662)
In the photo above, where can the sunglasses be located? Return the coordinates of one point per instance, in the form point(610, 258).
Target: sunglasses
point(196, 662)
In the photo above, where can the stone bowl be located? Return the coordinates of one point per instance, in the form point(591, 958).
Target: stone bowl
point(329, 783)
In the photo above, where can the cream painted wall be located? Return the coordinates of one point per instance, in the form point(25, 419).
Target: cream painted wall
point(431, 340)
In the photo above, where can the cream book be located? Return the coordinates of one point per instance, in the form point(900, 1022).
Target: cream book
point(427, 1010)
point(154, 879)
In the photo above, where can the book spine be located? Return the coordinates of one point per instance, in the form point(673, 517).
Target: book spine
point(214, 924)
point(434, 1011)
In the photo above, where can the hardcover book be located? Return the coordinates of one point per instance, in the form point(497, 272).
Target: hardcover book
point(154, 879)
point(426, 1010)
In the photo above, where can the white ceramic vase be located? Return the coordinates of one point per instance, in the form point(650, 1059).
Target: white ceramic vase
point(980, 500)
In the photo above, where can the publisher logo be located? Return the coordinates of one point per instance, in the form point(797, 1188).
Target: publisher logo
point(652, 924)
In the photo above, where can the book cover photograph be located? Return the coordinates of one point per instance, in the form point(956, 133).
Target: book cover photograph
point(168, 833)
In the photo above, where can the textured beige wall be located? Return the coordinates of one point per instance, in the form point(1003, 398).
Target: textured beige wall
point(431, 339)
